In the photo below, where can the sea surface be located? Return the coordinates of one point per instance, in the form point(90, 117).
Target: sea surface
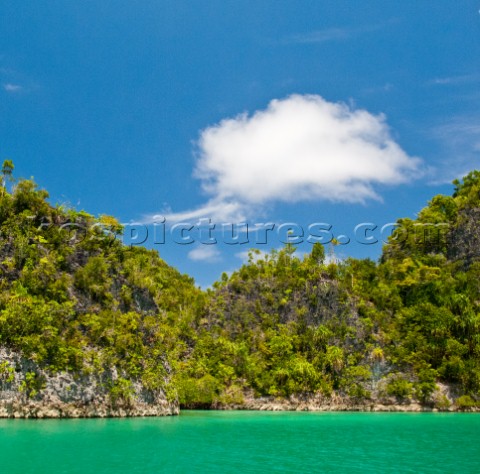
point(243, 442)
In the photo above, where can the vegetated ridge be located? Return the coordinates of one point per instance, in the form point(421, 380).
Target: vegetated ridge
point(90, 327)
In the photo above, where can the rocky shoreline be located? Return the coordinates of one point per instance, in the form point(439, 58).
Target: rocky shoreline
point(336, 404)
point(28, 391)
point(102, 409)
point(72, 410)
point(444, 399)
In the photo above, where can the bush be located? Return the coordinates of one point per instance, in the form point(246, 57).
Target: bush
point(426, 384)
point(121, 393)
point(32, 384)
point(232, 395)
point(200, 392)
point(400, 388)
point(7, 372)
point(465, 402)
point(442, 403)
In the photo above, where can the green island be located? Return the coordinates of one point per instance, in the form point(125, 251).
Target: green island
point(90, 327)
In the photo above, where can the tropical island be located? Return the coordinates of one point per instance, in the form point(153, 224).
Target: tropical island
point(90, 327)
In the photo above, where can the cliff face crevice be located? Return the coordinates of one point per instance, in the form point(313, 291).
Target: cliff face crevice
point(29, 391)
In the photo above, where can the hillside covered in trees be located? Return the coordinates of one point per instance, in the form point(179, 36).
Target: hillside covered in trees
point(76, 303)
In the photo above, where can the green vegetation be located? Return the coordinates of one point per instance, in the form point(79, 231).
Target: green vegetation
point(73, 298)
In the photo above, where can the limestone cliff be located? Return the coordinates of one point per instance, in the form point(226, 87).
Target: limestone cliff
point(28, 391)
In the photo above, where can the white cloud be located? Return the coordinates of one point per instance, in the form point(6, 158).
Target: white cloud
point(12, 87)
point(302, 148)
point(218, 210)
point(204, 253)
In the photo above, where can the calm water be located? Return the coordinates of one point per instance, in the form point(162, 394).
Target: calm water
point(242, 442)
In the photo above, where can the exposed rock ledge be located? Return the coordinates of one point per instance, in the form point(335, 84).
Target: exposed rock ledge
point(63, 395)
point(334, 404)
point(37, 409)
point(337, 402)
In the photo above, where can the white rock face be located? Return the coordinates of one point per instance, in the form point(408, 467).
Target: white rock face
point(63, 395)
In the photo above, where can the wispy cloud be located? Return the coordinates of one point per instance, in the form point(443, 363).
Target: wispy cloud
point(205, 253)
point(455, 80)
point(333, 34)
point(302, 148)
point(12, 88)
point(13, 81)
point(218, 209)
point(460, 143)
point(387, 87)
point(321, 36)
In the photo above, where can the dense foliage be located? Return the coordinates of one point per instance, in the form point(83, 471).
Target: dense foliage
point(73, 298)
point(281, 325)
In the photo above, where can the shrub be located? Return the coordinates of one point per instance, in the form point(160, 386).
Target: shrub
point(7, 372)
point(200, 392)
point(32, 384)
point(121, 393)
point(400, 388)
point(465, 402)
point(442, 403)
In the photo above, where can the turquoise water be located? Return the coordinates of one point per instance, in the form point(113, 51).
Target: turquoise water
point(243, 442)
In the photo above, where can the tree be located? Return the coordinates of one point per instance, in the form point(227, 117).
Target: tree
point(7, 171)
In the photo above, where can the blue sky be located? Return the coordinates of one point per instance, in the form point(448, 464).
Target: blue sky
point(143, 109)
